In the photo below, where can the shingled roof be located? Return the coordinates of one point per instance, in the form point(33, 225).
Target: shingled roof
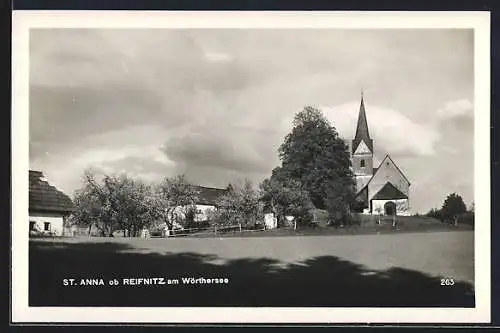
point(44, 197)
point(389, 192)
point(209, 195)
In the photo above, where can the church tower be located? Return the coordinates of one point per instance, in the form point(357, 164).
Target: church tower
point(380, 190)
point(362, 150)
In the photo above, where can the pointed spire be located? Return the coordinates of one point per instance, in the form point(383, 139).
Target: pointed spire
point(362, 133)
point(362, 128)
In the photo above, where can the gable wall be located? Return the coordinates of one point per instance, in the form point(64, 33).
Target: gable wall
point(388, 173)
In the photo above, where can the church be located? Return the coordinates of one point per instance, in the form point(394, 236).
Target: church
point(379, 190)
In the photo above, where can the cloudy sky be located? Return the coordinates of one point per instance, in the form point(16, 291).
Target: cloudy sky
point(216, 104)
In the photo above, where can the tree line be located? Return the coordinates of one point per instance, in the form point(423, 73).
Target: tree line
point(120, 202)
point(453, 211)
point(314, 173)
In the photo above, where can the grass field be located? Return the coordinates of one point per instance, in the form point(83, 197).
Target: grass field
point(352, 270)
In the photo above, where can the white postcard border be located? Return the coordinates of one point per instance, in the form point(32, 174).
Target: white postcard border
point(23, 21)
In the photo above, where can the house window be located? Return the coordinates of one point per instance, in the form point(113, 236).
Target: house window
point(362, 163)
point(46, 226)
point(32, 225)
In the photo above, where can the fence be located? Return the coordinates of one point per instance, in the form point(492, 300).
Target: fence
point(214, 231)
point(80, 231)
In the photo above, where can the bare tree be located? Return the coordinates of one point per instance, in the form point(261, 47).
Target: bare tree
point(115, 202)
point(173, 195)
point(240, 205)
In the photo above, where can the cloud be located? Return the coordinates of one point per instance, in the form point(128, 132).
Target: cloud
point(144, 162)
point(216, 103)
point(457, 108)
point(72, 113)
point(455, 121)
point(225, 148)
point(391, 130)
point(218, 57)
point(134, 150)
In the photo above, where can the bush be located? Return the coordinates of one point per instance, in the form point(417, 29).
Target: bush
point(354, 219)
point(466, 218)
point(321, 216)
point(286, 197)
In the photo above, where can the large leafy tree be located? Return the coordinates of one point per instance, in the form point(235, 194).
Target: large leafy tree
point(314, 155)
point(339, 196)
point(453, 208)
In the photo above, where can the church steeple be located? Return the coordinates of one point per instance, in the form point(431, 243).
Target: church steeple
point(362, 133)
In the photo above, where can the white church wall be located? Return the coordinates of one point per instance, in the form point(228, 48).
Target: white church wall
point(403, 207)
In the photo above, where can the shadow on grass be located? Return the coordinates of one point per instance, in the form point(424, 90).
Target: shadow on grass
point(324, 281)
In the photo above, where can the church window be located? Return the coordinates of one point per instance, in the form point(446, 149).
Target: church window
point(362, 163)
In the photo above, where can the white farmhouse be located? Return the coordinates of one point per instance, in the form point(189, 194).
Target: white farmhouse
point(48, 207)
point(207, 201)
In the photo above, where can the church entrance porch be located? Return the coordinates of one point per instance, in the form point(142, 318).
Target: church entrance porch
point(399, 207)
point(389, 208)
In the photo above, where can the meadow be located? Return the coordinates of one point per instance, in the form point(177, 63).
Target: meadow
point(375, 270)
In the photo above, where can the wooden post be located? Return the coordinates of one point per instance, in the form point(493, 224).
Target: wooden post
point(240, 227)
point(215, 229)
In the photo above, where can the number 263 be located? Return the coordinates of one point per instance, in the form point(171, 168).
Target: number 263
point(447, 282)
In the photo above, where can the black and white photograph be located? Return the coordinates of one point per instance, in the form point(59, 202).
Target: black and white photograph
point(323, 164)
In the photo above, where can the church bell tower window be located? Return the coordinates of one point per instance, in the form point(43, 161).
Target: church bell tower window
point(362, 164)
